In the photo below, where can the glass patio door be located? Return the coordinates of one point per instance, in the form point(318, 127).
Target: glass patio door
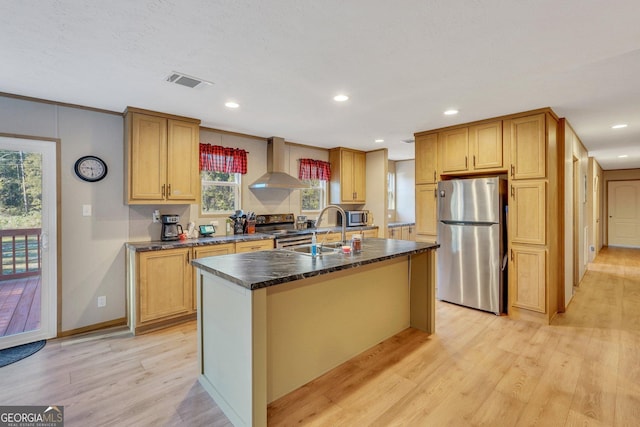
point(28, 278)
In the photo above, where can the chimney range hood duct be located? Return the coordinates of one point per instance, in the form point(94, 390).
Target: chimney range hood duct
point(275, 176)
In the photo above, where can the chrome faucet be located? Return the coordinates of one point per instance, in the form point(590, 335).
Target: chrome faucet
point(344, 219)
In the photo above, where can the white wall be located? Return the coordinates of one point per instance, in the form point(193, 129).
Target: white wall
point(92, 250)
point(405, 191)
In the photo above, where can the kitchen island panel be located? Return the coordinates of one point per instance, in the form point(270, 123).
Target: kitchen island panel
point(233, 357)
point(316, 324)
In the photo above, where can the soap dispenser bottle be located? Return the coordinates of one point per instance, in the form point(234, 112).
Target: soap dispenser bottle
point(314, 249)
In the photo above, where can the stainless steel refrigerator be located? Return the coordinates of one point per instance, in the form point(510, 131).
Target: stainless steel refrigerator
point(471, 267)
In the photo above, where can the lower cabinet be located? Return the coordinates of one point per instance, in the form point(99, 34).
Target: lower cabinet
point(408, 232)
point(394, 233)
point(164, 292)
point(162, 283)
point(527, 278)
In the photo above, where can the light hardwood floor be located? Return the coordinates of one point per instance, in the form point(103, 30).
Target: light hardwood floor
point(478, 369)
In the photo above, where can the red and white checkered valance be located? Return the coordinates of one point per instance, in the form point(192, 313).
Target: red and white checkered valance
point(215, 158)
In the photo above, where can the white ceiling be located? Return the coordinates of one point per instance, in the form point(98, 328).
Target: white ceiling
point(402, 63)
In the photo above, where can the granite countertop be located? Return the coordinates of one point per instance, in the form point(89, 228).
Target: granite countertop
point(156, 245)
point(399, 224)
point(255, 270)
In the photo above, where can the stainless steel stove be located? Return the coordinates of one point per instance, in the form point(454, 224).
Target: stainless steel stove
point(282, 227)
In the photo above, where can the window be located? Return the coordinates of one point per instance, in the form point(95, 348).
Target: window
point(313, 199)
point(220, 192)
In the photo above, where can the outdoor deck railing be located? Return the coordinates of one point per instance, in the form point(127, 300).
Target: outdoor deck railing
point(20, 253)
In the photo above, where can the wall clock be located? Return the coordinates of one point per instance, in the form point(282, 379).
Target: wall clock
point(90, 168)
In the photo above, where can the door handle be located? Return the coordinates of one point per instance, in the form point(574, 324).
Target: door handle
point(474, 160)
point(465, 162)
point(513, 194)
point(44, 240)
point(512, 171)
point(163, 188)
point(169, 190)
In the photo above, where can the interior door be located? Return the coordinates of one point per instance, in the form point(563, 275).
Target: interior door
point(624, 213)
point(28, 227)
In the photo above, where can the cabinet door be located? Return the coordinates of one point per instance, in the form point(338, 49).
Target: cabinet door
point(147, 158)
point(528, 147)
point(254, 245)
point(527, 212)
point(370, 233)
point(453, 147)
point(407, 232)
point(347, 186)
point(528, 277)
point(426, 159)
point(165, 286)
point(426, 210)
point(183, 164)
point(486, 143)
point(359, 177)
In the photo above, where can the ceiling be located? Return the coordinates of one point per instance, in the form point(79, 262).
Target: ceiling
point(401, 63)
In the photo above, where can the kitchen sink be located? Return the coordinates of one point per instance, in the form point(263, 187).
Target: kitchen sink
point(327, 249)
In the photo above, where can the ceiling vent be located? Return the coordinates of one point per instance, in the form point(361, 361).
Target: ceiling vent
point(185, 80)
point(409, 141)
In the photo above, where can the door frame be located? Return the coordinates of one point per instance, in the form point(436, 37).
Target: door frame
point(55, 208)
point(608, 205)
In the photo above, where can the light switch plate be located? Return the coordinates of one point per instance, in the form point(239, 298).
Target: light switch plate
point(86, 210)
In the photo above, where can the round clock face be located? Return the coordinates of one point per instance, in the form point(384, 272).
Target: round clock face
point(90, 168)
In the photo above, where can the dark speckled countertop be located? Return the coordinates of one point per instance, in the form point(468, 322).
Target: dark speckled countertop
point(399, 224)
point(255, 270)
point(157, 245)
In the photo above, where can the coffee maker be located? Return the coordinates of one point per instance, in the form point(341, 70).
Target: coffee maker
point(171, 230)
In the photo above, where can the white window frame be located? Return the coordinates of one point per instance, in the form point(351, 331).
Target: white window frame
point(322, 186)
point(238, 194)
point(391, 194)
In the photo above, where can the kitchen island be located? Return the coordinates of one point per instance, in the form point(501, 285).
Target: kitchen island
point(271, 321)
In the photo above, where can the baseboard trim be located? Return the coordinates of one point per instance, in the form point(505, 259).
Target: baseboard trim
point(95, 327)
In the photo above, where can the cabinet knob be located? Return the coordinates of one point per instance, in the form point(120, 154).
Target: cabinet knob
point(512, 171)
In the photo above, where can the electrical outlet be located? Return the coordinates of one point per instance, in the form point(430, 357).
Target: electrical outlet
point(155, 217)
point(86, 210)
point(102, 301)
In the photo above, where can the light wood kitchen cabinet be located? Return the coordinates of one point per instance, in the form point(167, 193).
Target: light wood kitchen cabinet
point(408, 232)
point(527, 212)
point(528, 142)
point(478, 148)
point(535, 233)
point(528, 277)
point(348, 176)
point(162, 158)
point(253, 246)
point(453, 147)
point(164, 291)
point(426, 159)
point(426, 213)
point(207, 251)
point(369, 233)
point(486, 146)
point(394, 233)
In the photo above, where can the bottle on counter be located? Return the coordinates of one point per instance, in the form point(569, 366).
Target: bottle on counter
point(314, 249)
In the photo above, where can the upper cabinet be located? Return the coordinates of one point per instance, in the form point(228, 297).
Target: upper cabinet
point(528, 147)
point(476, 148)
point(426, 159)
point(348, 176)
point(162, 158)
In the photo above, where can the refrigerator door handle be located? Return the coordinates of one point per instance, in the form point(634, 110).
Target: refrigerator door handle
point(505, 259)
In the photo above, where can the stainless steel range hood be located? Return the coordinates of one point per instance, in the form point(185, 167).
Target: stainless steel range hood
point(275, 176)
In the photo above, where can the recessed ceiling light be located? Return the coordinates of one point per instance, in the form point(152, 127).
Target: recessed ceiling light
point(340, 98)
point(451, 112)
point(619, 126)
point(378, 141)
point(231, 104)
point(623, 156)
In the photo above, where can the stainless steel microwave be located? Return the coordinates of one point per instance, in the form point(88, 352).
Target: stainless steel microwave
point(354, 218)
